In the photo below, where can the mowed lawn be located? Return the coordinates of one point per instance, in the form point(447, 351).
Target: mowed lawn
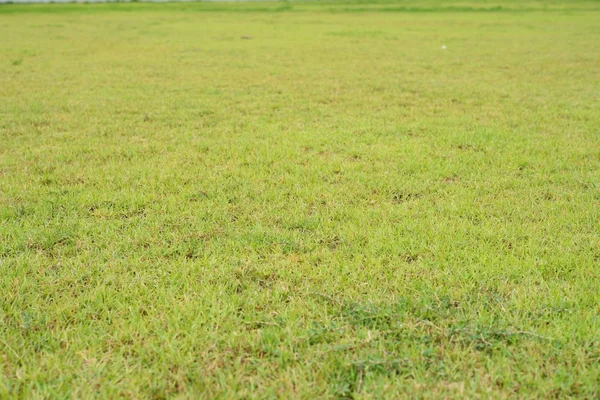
point(300, 200)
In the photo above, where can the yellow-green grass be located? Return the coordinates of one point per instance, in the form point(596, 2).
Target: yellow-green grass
point(332, 206)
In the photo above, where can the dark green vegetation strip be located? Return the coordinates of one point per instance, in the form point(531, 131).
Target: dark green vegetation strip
point(307, 6)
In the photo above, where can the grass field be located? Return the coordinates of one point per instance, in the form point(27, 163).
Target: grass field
point(300, 200)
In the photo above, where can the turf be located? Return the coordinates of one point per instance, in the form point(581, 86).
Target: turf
point(300, 200)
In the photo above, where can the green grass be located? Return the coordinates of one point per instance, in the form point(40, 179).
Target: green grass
point(337, 207)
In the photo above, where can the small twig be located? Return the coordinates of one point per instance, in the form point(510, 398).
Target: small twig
point(260, 323)
point(347, 346)
point(10, 348)
point(429, 323)
point(360, 380)
point(483, 339)
point(509, 333)
point(326, 297)
point(395, 361)
point(524, 333)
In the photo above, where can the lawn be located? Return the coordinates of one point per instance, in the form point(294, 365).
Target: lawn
point(300, 200)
